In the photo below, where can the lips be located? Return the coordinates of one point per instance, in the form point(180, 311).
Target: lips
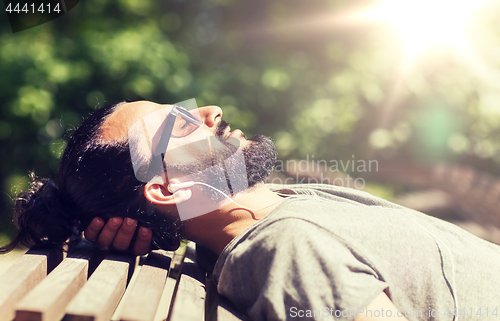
point(224, 131)
point(235, 132)
point(227, 133)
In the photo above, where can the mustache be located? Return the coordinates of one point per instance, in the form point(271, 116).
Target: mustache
point(221, 127)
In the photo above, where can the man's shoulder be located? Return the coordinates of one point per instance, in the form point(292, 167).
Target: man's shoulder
point(287, 224)
point(333, 192)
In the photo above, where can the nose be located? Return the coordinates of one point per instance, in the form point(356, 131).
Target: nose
point(209, 115)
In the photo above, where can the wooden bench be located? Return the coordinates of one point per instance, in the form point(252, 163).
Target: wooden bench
point(89, 284)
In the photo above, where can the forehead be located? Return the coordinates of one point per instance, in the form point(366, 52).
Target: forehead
point(117, 125)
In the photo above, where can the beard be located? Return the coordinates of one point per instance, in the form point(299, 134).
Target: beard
point(260, 159)
point(218, 164)
point(260, 155)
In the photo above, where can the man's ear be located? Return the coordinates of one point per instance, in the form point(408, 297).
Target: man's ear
point(156, 192)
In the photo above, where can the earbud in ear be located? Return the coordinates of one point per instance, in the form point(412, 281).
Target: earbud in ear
point(172, 188)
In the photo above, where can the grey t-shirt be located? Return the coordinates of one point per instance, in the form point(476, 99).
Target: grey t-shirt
point(330, 252)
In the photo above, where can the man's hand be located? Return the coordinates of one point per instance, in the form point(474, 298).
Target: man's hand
point(118, 233)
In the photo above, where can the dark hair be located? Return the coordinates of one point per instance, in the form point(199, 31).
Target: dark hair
point(95, 178)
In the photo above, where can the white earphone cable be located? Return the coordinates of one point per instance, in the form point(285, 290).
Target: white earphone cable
point(229, 198)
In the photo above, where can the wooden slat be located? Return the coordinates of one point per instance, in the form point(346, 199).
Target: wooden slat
point(166, 298)
point(99, 297)
point(170, 285)
point(23, 276)
point(141, 299)
point(189, 301)
point(47, 301)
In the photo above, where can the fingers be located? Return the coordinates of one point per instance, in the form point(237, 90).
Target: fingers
point(118, 234)
point(125, 234)
point(142, 244)
point(92, 231)
point(108, 233)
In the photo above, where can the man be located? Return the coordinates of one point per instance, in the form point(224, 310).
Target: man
point(322, 251)
point(214, 230)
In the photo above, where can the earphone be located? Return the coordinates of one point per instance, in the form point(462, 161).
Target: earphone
point(172, 188)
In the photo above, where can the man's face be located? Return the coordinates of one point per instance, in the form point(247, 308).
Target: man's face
point(258, 156)
point(210, 144)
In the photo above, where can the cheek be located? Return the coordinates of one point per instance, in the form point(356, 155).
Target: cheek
point(196, 137)
point(194, 153)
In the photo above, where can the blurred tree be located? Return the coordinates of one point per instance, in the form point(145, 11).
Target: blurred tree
point(298, 71)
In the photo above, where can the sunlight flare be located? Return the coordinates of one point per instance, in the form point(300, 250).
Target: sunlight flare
point(426, 23)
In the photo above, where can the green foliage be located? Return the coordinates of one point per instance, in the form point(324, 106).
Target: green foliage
point(317, 88)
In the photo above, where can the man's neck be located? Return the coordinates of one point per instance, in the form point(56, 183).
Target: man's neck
point(216, 229)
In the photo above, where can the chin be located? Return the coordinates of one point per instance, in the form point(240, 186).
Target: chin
point(260, 158)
